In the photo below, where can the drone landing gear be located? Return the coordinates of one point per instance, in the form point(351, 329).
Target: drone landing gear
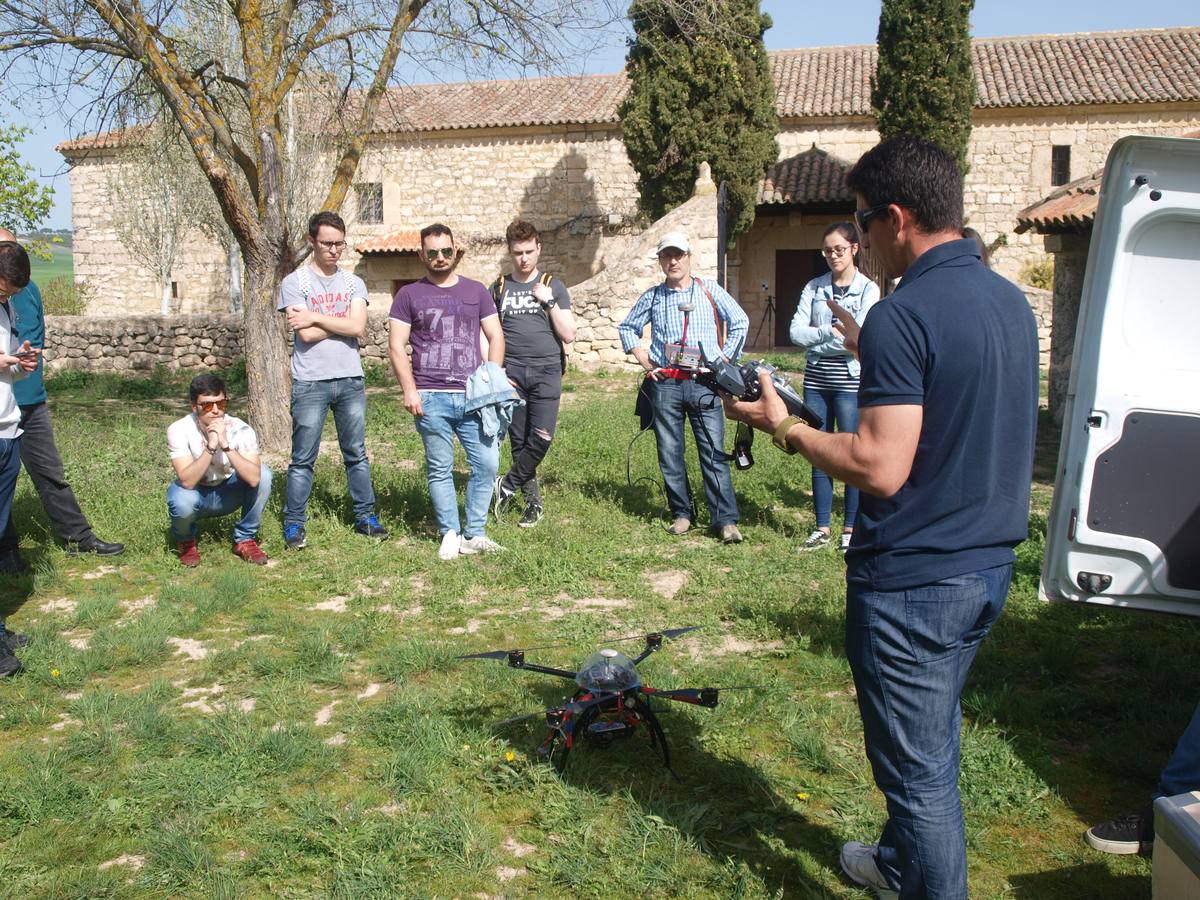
point(601, 733)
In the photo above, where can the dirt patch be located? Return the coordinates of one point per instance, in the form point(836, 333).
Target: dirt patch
point(99, 573)
point(133, 862)
point(59, 604)
point(600, 603)
point(188, 647)
point(333, 604)
point(78, 638)
point(516, 848)
point(132, 606)
point(325, 714)
point(728, 645)
point(666, 584)
point(472, 627)
point(508, 873)
point(401, 613)
point(63, 721)
point(369, 691)
point(418, 584)
point(337, 740)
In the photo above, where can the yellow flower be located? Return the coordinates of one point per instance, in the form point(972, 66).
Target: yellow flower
point(54, 673)
point(800, 795)
point(510, 756)
point(466, 747)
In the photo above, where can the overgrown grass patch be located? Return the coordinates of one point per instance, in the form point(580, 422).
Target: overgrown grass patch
point(305, 729)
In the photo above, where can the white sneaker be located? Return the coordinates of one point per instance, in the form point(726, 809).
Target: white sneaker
point(858, 862)
point(846, 535)
point(816, 540)
point(481, 543)
point(450, 544)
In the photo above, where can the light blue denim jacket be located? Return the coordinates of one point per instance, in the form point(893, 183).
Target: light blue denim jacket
point(490, 393)
point(812, 326)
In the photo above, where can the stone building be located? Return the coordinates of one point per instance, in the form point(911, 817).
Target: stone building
point(550, 150)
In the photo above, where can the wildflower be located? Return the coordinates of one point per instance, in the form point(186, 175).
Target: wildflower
point(54, 673)
point(466, 747)
point(510, 756)
point(800, 795)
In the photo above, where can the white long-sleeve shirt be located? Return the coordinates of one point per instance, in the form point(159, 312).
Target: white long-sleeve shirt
point(10, 413)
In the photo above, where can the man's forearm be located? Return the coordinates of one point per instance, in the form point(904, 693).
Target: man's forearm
point(643, 358)
point(402, 366)
point(311, 334)
point(191, 474)
point(345, 326)
point(248, 469)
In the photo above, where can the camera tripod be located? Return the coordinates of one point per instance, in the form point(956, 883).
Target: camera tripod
point(767, 316)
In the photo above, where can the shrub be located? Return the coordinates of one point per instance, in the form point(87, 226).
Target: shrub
point(1038, 274)
point(62, 296)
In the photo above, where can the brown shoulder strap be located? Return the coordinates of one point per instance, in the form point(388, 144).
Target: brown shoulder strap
point(717, 321)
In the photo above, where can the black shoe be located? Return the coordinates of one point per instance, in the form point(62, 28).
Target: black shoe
point(12, 563)
point(532, 515)
point(11, 641)
point(9, 664)
point(94, 545)
point(369, 526)
point(1132, 833)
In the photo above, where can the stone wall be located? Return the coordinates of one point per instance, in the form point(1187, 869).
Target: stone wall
point(139, 343)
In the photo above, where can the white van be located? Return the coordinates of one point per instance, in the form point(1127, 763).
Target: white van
point(1124, 529)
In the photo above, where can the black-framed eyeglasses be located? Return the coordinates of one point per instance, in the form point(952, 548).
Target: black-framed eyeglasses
point(333, 245)
point(835, 251)
point(447, 253)
point(864, 217)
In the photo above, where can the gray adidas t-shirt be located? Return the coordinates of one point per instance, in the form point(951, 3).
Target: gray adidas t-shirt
point(528, 335)
point(337, 355)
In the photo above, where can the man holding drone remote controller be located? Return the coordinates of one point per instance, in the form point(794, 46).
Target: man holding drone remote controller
point(944, 456)
point(686, 314)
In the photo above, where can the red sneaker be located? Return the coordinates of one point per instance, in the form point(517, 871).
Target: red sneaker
point(188, 554)
point(250, 552)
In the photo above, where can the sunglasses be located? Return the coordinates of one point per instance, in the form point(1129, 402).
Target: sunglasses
point(447, 253)
point(864, 217)
point(211, 405)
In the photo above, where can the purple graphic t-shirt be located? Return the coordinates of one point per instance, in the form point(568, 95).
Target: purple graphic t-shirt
point(445, 330)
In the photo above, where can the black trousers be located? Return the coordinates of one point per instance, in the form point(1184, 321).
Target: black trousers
point(533, 424)
point(40, 456)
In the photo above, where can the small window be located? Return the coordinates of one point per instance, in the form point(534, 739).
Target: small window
point(174, 290)
point(370, 203)
point(1060, 164)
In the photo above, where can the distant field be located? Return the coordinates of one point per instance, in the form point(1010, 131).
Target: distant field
point(61, 264)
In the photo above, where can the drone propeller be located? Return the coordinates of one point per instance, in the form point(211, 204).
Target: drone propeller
point(505, 654)
point(668, 633)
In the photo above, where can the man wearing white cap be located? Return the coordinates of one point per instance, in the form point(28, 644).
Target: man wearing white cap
point(686, 315)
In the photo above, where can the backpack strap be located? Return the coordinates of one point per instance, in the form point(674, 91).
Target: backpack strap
point(718, 322)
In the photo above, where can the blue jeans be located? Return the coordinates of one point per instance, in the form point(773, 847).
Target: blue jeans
point(840, 409)
point(311, 401)
point(443, 419)
point(674, 400)
point(910, 652)
point(187, 505)
point(1182, 772)
point(10, 468)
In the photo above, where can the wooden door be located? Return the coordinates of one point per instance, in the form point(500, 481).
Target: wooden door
point(793, 270)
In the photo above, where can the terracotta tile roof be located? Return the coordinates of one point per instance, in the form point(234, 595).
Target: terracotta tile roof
point(1071, 207)
point(105, 140)
point(1146, 66)
point(809, 177)
point(407, 241)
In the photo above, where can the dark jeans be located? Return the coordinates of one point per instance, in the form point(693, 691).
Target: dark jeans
point(40, 456)
point(674, 401)
point(839, 409)
point(533, 424)
point(910, 652)
point(311, 403)
point(10, 468)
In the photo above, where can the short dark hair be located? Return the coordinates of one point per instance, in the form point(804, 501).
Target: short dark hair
point(332, 219)
point(207, 385)
point(435, 229)
point(520, 230)
point(14, 264)
point(913, 173)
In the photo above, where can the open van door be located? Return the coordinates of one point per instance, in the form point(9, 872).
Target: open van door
point(1124, 528)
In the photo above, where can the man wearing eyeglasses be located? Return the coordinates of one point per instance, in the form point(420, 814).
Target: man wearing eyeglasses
point(442, 316)
point(943, 454)
point(326, 309)
point(217, 470)
point(16, 361)
point(39, 453)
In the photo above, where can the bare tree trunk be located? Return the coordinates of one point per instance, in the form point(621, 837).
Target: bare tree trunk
point(267, 368)
point(235, 277)
point(164, 304)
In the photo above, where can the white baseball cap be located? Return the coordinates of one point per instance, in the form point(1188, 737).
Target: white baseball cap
point(675, 239)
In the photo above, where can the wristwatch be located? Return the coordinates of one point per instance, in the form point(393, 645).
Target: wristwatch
point(779, 439)
point(225, 449)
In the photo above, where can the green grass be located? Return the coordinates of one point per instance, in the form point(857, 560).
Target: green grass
point(343, 751)
point(61, 264)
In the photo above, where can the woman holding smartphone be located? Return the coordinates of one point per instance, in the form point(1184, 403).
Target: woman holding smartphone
point(831, 370)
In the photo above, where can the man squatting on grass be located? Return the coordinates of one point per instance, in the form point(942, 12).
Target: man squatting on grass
point(39, 453)
point(442, 316)
point(16, 361)
point(217, 470)
point(535, 313)
point(944, 456)
point(686, 314)
point(326, 308)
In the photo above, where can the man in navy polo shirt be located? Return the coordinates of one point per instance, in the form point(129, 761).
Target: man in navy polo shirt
point(944, 457)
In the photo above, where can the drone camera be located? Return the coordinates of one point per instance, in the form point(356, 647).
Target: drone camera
point(708, 697)
point(516, 658)
point(654, 641)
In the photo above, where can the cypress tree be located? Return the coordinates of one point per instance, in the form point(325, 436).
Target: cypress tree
point(700, 89)
point(924, 83)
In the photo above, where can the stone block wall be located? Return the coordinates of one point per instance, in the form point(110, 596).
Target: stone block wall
point(139, 343)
